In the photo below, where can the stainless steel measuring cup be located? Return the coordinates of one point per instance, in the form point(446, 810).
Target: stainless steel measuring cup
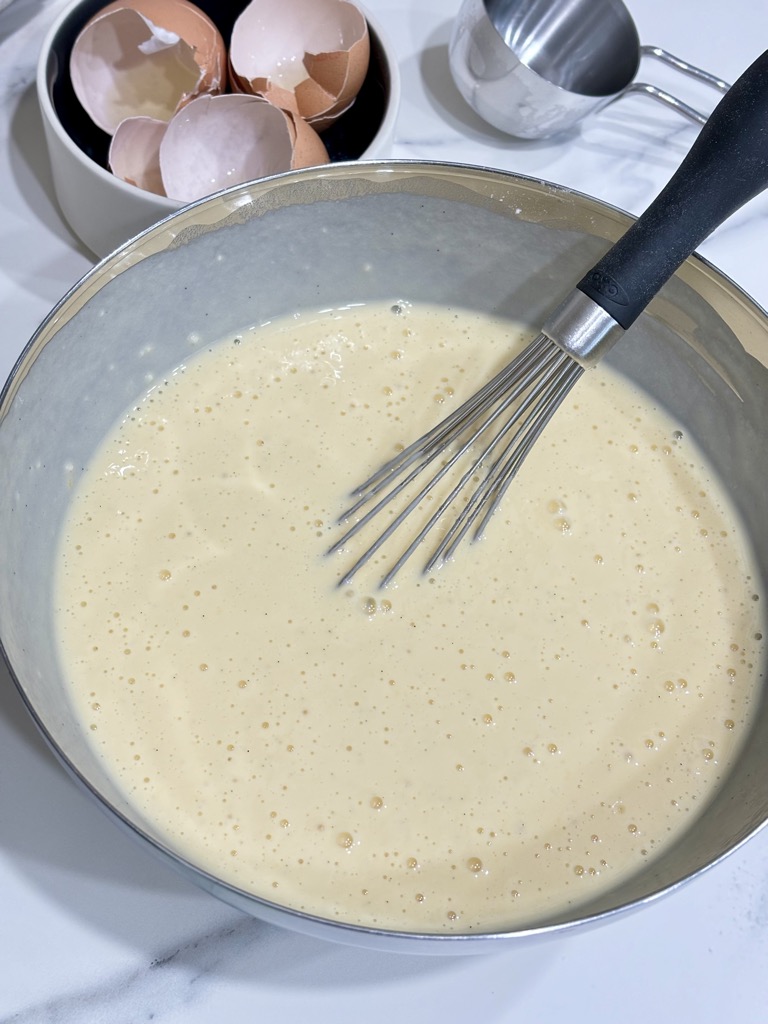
point(533, 68)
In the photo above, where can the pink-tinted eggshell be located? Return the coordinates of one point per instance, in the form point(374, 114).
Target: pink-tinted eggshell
point(123, 64)
point(218, 141)
point(134, 153)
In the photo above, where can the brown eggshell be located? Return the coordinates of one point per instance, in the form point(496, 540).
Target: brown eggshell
point(308, 148)
point(194, 27)
point(307, 56)
point(339, 78)
point(125, 65)
point(134, 153)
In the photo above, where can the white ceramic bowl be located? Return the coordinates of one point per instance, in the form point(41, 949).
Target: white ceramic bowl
point(104, 211)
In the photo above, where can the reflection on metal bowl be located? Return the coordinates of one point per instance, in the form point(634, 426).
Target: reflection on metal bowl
point(442, 234)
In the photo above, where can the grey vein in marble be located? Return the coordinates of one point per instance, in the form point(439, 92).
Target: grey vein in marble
point(169, 981)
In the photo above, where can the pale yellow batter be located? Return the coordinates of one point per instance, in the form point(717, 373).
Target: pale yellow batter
point(461, 752)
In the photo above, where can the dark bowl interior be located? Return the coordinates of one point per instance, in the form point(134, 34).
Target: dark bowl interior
point(347, 139)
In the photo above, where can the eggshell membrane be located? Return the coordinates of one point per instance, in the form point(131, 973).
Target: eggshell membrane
point(192, 25)
point(125, 65)
point(218, 141)
point(134, 153)
point(307, 56)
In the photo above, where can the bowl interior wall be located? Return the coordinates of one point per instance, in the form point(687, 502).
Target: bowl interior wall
point(465, 238)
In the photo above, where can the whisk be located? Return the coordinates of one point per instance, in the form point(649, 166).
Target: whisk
point(485, 441)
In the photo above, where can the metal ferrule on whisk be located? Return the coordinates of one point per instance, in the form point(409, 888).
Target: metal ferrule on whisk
point(582, 328)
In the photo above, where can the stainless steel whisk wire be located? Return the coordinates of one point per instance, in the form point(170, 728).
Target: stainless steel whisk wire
point(530, 388)
point(725, 168)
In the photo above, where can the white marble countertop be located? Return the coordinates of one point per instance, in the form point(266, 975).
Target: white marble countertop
point(92, 929)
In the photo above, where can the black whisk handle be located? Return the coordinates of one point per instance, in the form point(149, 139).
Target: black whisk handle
point(725, 168)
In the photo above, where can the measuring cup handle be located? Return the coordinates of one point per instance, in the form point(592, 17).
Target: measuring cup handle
point(644, 89)
point(655, 93)
point(684, 67)
point(725, 168)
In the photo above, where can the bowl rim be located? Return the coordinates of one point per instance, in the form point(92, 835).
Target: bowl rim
point(135, 250)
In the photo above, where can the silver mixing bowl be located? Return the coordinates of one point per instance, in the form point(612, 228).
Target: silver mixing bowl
point(317, 239)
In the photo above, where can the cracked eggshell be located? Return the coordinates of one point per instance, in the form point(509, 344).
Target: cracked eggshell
point(134, 153)
point(308, 148)
point(218, 141)
point(307, 56)
point(145, 58)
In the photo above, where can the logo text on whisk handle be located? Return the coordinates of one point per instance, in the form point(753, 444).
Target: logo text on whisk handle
point(605, 285)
